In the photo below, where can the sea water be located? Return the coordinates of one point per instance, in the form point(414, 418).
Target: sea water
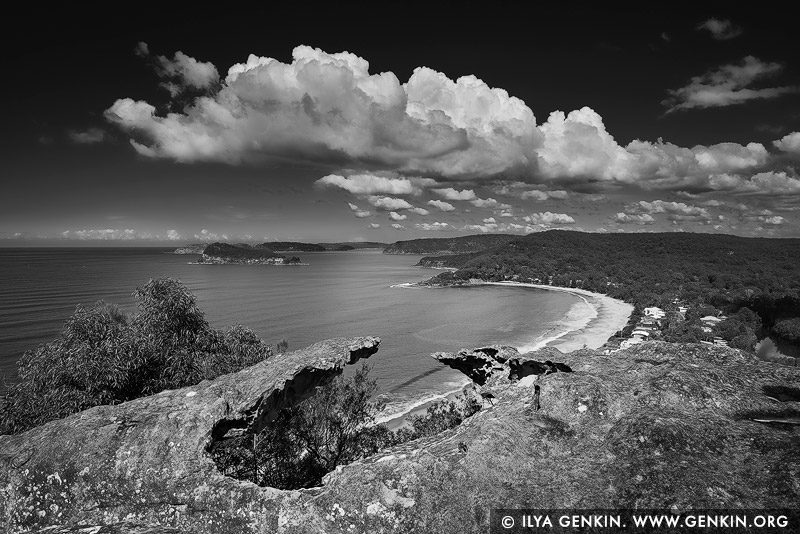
point(353, 293)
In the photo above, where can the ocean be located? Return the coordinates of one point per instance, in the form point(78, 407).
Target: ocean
point(352, 293)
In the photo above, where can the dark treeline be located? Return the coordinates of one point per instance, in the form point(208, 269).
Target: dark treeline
point(710, 274)
point(449, 245)
point(239, 251)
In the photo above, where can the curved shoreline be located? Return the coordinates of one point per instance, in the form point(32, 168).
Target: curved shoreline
point(610, 316)
point(606, 316)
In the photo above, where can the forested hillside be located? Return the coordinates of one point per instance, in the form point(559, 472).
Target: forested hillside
point(698, 270)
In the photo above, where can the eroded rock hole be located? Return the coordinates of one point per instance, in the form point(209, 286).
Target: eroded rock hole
point(519, 369)
point(292, 440)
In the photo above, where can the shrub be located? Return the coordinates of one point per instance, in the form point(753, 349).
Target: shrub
point(306, 441)
point(333, 427)
point(788, 329)
point(104, 357)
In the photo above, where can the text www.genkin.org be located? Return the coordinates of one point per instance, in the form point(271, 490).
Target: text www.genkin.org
point(723, 521)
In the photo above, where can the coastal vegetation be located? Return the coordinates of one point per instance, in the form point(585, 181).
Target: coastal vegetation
point(285, 246)
point(449, 245)
point(103, 356)
point(335, 426)
point(708, 274)
point(788, 329)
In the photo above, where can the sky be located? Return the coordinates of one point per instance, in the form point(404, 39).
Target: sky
point(178, 124)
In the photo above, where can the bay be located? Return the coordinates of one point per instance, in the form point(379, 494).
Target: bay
point(337, 294)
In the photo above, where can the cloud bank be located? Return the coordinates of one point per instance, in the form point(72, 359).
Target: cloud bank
point(405, 138)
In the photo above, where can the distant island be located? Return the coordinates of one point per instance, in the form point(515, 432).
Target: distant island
point(193, 248)
point(286, 246)
point(243, 254)
point(450, 245)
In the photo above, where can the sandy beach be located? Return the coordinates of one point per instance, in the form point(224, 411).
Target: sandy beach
point(588, 324)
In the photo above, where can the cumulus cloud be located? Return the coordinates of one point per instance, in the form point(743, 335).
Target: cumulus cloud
point(493, 226)
point(452, 194)
point(389, 203)
point(434, 227)
point(675, 211)
point(358, 212)
point(764, 183)
point(328, 107)
point(173, 235)
point(119, 234)
point(726, 86)
point(720, 30)
point(180, 72)
point(373, 226)
point(549, 218)
point(419, 211)
point(775, 220)
point(523, 191)
point(207, 235)
point(397, 226)
point(442, 205)
point(89, 137)
point(369, 184)
point(490, 203)
point(624, 218)
point(393, 215)
point(789, 143)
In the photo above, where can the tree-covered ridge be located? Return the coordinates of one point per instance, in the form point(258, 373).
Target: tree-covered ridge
point(281, 246)
point(450, 245)
point(238, 251)
point(713, 273)
point(290, 246)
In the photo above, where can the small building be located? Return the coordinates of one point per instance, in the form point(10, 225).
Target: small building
point(710, 319)
point(654, 312)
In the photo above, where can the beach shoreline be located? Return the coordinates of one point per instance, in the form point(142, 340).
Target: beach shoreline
point(602, 317)
point(610, 315)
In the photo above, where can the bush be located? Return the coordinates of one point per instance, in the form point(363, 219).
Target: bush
point(104, 357)
point(333, 427)
point(788, 329)
point(306, 441)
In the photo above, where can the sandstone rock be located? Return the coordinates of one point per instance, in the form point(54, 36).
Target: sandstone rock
point(659, 425)
point(145, 461)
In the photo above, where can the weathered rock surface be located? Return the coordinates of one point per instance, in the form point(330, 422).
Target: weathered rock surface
point(144, 461)
point(658, 425)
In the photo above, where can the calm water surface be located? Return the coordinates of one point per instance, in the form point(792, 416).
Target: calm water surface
point(337, 294)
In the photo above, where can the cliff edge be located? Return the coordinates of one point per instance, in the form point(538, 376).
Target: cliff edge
point(659, 425)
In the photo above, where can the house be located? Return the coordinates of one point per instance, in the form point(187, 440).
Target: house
point(710, 320)
point(654, 312)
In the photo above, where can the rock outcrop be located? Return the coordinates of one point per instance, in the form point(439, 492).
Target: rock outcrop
point(659, 425)
point(145, 461)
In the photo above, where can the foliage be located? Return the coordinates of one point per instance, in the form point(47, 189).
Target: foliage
point(104, 357)
point(291, 246)
point(239, 252)
point(788, 329)
point(333, 427)
point(450, 245)
point(710, 274)
point(439, 417)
